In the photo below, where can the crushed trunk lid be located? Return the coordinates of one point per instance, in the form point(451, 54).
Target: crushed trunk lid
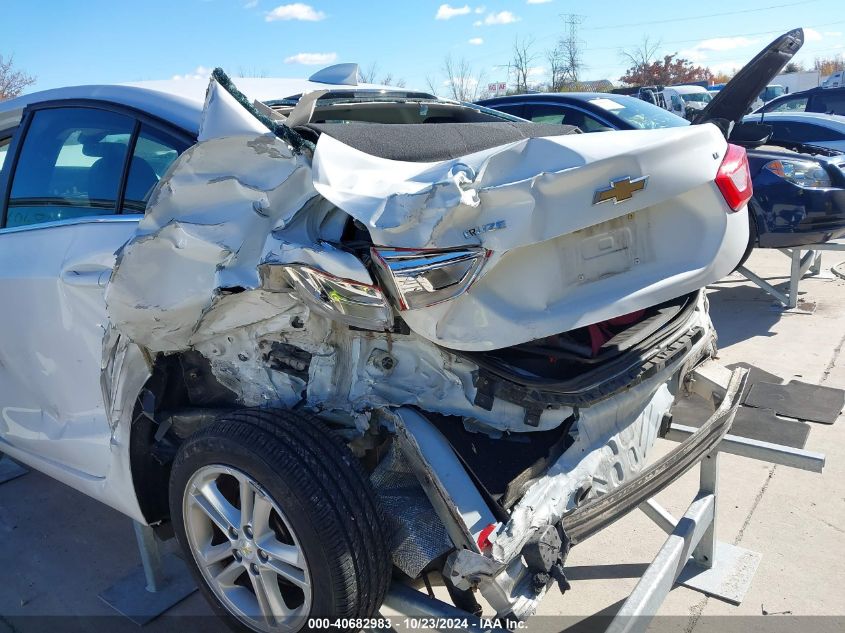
point(579, 228)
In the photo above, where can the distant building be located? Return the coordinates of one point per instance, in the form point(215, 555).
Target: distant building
point(600, 85)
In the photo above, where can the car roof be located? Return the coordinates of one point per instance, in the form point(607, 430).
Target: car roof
point(177, 101)
point(807, 92)
point(556, 96)
point(817, 118)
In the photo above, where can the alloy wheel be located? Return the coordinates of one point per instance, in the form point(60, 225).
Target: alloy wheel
point(246, 549)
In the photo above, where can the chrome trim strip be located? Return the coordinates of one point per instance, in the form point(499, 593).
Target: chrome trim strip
point(92, 219)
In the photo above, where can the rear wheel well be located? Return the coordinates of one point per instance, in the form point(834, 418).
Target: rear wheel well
point(182, 387)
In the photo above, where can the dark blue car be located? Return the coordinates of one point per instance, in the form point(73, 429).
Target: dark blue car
point(823, 100)
point(799, 190)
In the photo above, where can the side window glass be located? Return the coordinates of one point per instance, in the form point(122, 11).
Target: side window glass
point(154, 152)
point(833, 103)
point(790, 105)
point(593, 125)
point(70, 166)
point(804, 133)
point(4, 149)
point(514, 109)
point(544, 114)
point(782, 131)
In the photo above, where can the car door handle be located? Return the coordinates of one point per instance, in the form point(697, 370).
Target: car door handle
point(92, 277)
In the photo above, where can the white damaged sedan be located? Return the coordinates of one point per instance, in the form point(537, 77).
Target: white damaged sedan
point(343, 330)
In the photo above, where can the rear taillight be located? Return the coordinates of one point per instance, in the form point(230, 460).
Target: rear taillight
point(344, 300)
point(418, 278)
point(734, 178)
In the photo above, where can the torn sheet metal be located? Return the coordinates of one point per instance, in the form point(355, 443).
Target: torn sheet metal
point(612, 443)
point(540, 187)
point(207, 228)
point(558, 261)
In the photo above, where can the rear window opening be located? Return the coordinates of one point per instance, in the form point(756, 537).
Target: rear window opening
point(398, 112)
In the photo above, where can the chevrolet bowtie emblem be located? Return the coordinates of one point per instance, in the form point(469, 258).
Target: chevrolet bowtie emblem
point(620, 190)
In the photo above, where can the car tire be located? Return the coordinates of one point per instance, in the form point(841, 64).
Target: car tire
point(321, 547)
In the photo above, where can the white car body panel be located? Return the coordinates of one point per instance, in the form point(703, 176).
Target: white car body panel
point(597, 261)
point(53, 416)
point(185, 277)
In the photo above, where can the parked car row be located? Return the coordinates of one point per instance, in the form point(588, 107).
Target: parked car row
point(797, 161)
point(334, 334)
point(821, 100)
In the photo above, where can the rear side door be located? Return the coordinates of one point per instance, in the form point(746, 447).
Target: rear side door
point(800, 132)
point(74, 179)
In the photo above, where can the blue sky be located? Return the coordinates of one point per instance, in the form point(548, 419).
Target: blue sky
point(108, 41)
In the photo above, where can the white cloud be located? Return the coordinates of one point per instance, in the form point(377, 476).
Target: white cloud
point(833, 33)
point(811, 35)
point(478, 23)
point(535, 72)
point(502, 17)
point(480, 9)
point(447, 12)
point(250, 4)
point(200, 72)
point(538, 1)
point(726, 67)
point(724, 43)
point(295, 11)
point(311, 59)
point(476, 41)
point(698, 53)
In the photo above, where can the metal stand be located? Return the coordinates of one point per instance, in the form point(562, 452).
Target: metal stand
point(10, 470)
point(811, 261)
point(692, 556)
point(162, 581)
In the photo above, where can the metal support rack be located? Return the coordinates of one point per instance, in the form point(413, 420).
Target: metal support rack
point(691, 556)
point(803, 260)
point(162, 581)
point(9, 469)
point(713, 567)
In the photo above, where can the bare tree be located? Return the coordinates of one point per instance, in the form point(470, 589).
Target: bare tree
point(368, 75)
point(642, 56)
point(557, 76)
point(252, 72)
point(569, 50)
point(12, 82)
point(463, 82)
point(520, 64)
point(388, 80)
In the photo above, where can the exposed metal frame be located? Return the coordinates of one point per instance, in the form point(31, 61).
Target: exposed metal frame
point(803, 259)
point(691, 555)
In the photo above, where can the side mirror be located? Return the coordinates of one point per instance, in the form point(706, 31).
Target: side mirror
point(751, 134)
